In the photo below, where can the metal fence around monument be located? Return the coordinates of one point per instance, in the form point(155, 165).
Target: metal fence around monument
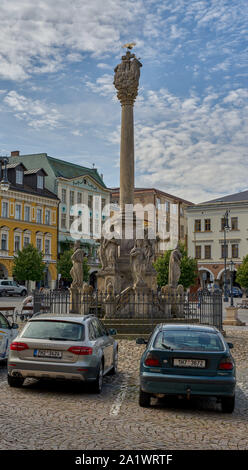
point(204, 308)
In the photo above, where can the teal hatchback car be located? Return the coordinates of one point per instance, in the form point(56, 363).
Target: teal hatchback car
point(187, 360)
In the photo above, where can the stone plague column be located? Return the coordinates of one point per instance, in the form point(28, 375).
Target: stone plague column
point(126, 82)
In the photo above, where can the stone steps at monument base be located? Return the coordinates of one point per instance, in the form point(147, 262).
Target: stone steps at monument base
point(134, 328)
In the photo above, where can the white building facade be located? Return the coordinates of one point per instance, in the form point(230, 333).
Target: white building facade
point(82, 203)
point(211, 243)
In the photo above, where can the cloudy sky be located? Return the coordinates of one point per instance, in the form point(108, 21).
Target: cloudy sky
point(191, 115)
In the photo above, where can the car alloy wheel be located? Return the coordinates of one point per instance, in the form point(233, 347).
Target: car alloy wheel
point(97, 384)
point(113, 371)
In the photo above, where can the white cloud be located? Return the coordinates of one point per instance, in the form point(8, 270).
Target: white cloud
point(197, 146)
point(103, 85)
point(35, 35)
point(35, 112)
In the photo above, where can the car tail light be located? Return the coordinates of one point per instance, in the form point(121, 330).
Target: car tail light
point(226, 364)
point(151, 361)
point(18, 346)
point(81, 350)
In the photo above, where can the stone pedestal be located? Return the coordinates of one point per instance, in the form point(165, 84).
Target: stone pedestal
point(75, 300)
point(141, 299)
point(232, 317)
point(110, 306)
point(174, 298)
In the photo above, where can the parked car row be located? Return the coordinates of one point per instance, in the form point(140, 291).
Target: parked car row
point(182, 360)
point(11, 288)
point(235, 291)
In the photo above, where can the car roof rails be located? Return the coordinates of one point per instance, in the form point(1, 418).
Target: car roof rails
point(90, 315)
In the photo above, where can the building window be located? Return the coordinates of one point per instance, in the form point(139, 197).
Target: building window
point(4, 241)
point(235, 251)
point(207, 225)
point(17, 243)
point(47, 217)
point(47, 247)
point(198, 252)
point(19, 177)
point(5, 209)
point(39, 216)
point(39, 244)
point(27, 213)
point(26, 241)
point(234, 223)
point(90, 202)
point(158, 203)
point(71, 198)
point(71, 219)
point(91, 227)
point(18, 211)
point(224, 251)
point(63, 196)
point(182, 231)
point(197, 225)
point(63, 220)
point(207, 252)
point(40, 181)
point(79, 198)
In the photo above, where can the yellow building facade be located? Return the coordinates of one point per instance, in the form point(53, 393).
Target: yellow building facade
point(28, 218)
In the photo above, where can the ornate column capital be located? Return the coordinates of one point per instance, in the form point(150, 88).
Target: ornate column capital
point(126, 80)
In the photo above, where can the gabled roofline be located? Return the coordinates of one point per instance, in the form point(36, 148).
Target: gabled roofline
point(154, 190)
point(85, 175)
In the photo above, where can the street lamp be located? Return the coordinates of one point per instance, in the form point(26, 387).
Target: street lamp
point(4, 183)
point(231, 268)
point(226, 228)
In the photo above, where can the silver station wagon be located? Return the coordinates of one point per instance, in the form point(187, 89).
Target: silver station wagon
point(63, 347)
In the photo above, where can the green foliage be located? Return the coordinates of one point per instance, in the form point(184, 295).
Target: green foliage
point(64, 266)
point(189, 271)
point(242, 273)
point(28, 265)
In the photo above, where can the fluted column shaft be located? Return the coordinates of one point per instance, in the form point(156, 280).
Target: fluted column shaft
point(127, 156)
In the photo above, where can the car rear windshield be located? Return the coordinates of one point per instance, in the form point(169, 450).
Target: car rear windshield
point(56, 330)
point(188, 341)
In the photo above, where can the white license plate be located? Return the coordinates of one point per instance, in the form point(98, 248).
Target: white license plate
point(47, 353)
point(189, 363)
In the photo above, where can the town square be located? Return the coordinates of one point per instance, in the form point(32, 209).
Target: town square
point(123, 237)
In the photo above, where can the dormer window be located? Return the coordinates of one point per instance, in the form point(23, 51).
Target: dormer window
point(40, 181)
point(19, 177)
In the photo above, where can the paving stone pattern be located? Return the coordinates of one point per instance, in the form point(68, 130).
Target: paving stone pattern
point(67, 416)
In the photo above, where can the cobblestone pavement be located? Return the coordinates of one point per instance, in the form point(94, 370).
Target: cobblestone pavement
point(56, 416)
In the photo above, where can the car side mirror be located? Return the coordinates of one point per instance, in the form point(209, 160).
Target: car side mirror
point(112, 332)
point(141, 341)
point(14, 326)
point(230, 345)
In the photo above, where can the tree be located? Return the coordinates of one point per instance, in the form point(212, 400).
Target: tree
point(28, 265)
point(242, 273)
point(189, 270)
point(64, 266)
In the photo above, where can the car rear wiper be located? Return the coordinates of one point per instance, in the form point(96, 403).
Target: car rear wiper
point(52, 338)
point(166, 346)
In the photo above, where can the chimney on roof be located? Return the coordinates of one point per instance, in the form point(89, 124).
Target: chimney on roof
point(15, 153)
